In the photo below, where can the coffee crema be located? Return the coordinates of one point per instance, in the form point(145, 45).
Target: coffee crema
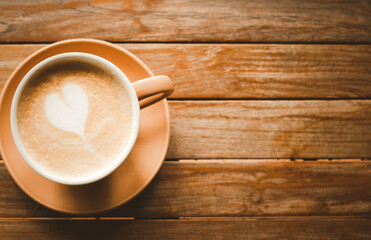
point(74, 118)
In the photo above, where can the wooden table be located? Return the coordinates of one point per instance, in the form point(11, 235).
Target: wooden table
point(270, 121)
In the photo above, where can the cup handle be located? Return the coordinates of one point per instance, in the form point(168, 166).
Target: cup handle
point(153, 89)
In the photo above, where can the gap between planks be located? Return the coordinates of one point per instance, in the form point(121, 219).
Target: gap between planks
point(230, 160)
point(200, 42)
point(260, 160)
point(185, 218)
point(264, 99)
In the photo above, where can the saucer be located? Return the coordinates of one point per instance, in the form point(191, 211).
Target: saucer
point(131, 177)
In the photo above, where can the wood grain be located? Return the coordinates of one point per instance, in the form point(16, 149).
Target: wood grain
point(251, 228)
point(232, 188)
point(245, 71)
point(270, 129)
point(201, 21)
point(257, 115)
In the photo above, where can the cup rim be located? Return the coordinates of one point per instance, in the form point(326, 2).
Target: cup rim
point(135, 119)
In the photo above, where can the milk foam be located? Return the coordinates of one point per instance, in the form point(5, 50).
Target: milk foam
point(70, 113)
point(74, 119)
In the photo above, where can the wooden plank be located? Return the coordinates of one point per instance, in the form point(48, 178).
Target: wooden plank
point(270, 129)
point(167, 20)
point(230, 188)
point(187, 229)
point(11, 56)
point(245, 71)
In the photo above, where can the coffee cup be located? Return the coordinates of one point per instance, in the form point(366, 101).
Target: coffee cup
point(75, 116)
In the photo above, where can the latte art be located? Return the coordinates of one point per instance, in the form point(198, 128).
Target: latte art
point(70, 113)
point(74, 118)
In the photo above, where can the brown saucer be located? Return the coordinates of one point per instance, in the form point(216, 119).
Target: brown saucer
point(128, 179)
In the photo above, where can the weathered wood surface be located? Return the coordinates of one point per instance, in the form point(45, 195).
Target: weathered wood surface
point(251, 228)
point(232, 188)
point(245, 71)
point(201, 21)
point(270, 102)
point(270, 129)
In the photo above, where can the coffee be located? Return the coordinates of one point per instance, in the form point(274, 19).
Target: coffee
point(74, 118)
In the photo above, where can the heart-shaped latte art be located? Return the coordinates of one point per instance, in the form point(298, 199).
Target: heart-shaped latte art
point(70, 113)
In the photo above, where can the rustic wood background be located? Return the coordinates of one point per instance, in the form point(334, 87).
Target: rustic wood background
point(270, 121)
